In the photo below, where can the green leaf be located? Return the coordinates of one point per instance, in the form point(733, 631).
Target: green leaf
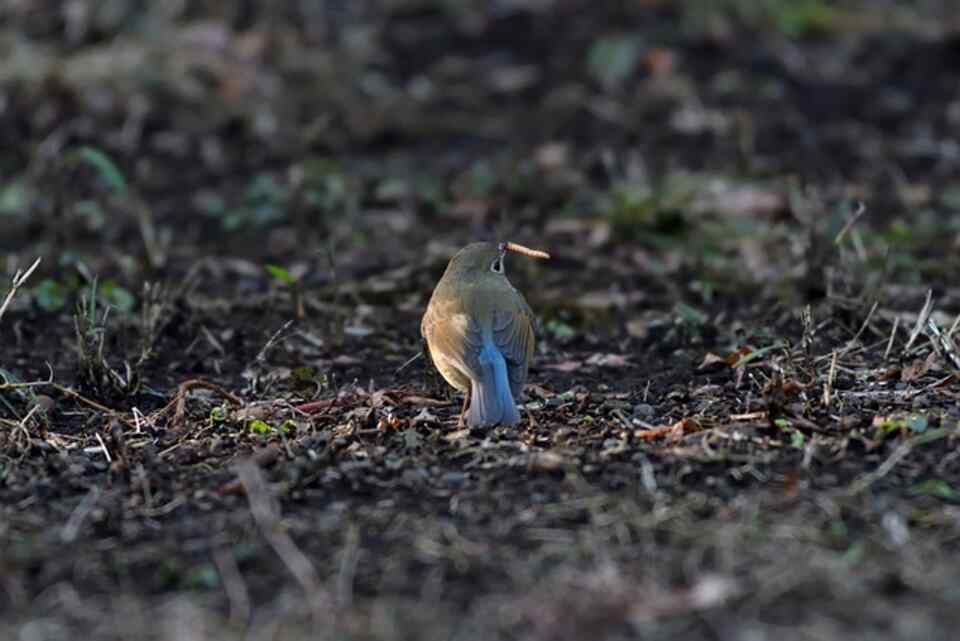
point(6, 376)
point(14, 198)
point(691, 315)
point(50, 295)
point(260, 427)
point(560, 330)
point(107, 169)
point(797, 439)
point(801, 18)
point(281, 274)
point(613, 59)
point(210, 203)
point(203, 577)
point(117, 297)
point(754, 355)
point(93, 213)
point(305, 375)
point(935, 487)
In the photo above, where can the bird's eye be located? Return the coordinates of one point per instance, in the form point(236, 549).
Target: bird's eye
point(497, 266)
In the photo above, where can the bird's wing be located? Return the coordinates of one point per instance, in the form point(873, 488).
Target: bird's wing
point(456, 338)
point(513, 335)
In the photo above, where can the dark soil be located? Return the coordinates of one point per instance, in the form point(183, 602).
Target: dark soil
point(741, 421)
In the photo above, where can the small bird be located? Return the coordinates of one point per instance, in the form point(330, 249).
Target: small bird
point(479, 332)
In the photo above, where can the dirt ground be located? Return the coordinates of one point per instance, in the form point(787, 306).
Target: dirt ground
point(741, 420)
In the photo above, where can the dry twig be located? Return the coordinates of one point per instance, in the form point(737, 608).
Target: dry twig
point(267, 516)
point(19, 279)
point(925, 312)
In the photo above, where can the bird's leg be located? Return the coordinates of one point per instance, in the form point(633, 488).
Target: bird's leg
point(463, 410)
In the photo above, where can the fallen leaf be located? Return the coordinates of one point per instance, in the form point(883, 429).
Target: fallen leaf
point(423, 401)
point(382, 397)
point(707, 592)
point(234, 487)
point(918, 368)
point(358, 331)
point(675, 429)
point(564, 366)
point(603, 299)
point(457, 436)
point(710, 389)
point(424, 417)
point(712, 360)
point(660, 61)
point(552, 155)
point(546, 462)
point(539, 391)
point(892, 373)
point(608, 360)
point(390, 421)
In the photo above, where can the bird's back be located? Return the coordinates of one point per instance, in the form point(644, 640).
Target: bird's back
point(466, 312)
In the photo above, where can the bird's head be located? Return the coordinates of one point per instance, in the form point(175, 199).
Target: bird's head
point(478, 259)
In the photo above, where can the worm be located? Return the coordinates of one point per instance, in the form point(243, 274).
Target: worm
point(526, 251)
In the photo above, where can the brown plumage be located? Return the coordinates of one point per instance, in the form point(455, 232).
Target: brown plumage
point(479, 332)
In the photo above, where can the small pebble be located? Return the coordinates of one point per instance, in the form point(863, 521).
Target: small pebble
point(643, 410)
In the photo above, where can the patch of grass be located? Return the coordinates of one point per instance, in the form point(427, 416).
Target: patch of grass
point(106, 168)
point(285, 278)
point(53, 295)
point(94, 372)
point(792, 18)
point(652, 212)
point(937, 488)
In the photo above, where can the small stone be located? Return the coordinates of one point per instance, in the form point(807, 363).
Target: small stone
point(455, 480)
point(643, 410)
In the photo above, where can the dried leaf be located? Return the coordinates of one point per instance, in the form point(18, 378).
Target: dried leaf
point(918, 369)
point(457, 436)
point(546, 462)
point(423, 401)
point(564, 366)
point(608, 360)
point(425, 417)
point(711, 360)
point(676, 430)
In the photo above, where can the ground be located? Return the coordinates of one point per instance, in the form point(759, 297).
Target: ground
point(741, 419)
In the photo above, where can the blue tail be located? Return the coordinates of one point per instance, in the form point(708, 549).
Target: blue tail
point(491, 401)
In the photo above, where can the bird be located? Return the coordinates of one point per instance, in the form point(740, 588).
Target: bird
point(478, 331)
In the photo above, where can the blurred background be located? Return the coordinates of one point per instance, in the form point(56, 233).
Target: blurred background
point(136, 137)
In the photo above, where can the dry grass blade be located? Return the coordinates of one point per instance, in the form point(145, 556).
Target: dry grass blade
point(526, 251)
point(858, 212)
point(831, 377)
point(18, 280)
point(266, 514)
point(953, 328)
point(893, 335)
point(866, 323)
point(235, 587)
point(942, 344)
point(903, 450)
point(925, 312)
